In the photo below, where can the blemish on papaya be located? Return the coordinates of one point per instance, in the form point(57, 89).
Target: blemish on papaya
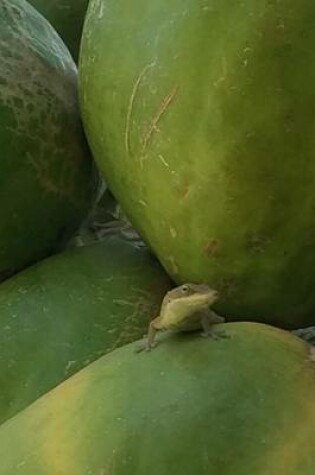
point(228, 286)
point(212, 247)
point(184, 191)
point(256, 244)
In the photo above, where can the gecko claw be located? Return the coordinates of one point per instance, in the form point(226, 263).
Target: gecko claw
point(150, 346)
point(209, 335)
point(145, 347)
point(214, 335)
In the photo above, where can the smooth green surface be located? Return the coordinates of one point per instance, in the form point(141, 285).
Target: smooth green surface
point(61, 314)
point(238, 406)
point(47, 179)
point(200, 114)
point(67, 18)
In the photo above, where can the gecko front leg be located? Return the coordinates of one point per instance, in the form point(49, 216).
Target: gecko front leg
point(208, 321)
point(150, 343)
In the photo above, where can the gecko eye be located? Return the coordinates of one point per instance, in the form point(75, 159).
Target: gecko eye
point(185, 288)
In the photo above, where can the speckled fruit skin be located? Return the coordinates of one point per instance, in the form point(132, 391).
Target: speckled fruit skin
point(238, 406)
point(68, 310)
point(47, 179)
point(200, 115)
point(67, 17)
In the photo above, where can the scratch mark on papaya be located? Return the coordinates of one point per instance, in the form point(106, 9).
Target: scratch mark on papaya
point(123, 302)
point(223, 75)
point(173, 232)
point(173, 264)
point(69, 366)
point(134, 92)
point(161, 110)
point(164, 161)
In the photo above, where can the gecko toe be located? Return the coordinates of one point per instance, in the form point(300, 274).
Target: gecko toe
point(209, 335)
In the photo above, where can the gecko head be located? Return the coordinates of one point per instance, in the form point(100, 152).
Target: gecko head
point(194, 296)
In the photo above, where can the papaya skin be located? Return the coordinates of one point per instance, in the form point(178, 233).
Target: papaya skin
point(238, 406)
point(61, 314)
point(67, 17)
point(203, 127)
point(47, 178)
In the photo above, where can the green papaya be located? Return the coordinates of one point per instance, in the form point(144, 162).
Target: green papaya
point(238, 406)
point(67, 17)
point(47, 178)
point(68, 310)
point(200, 115)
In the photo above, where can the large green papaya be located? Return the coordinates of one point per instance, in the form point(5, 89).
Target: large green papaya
point(66, 311)
point(238, 406)
point(200, 114)
point(67, 18)
point(47, 178)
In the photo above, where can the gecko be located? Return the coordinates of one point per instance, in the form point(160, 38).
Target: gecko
point(186, 308)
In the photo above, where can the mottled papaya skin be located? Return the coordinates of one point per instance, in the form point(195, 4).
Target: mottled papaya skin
point(67, 17)
point(238, 406)
point(47, 179)
point(200, 115)
point(66, 311)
